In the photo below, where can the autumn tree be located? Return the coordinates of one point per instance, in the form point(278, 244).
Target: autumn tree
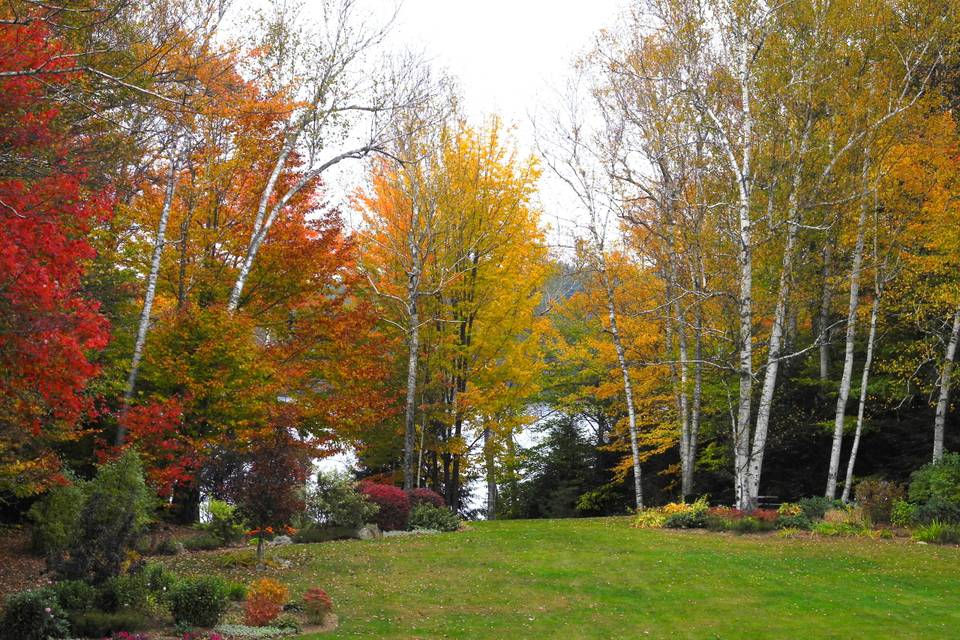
point(48, 328)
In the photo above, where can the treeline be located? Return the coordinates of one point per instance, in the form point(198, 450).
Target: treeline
point(762, 298)
point(781, 307)
point(175, 280)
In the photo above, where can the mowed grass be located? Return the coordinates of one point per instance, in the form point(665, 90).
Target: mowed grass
point(600, 578)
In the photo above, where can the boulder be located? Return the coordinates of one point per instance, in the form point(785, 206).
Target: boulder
point(281, 541)
point(369, 532)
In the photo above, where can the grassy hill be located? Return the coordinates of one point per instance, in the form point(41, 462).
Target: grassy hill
point(600, 578)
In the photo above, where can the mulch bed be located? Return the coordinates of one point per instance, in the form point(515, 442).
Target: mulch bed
point(19, 570)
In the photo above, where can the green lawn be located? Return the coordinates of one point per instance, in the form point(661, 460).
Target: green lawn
point(600, 578)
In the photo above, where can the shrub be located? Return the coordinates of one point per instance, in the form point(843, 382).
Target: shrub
point(650, 519)
point(236, 560)
point(224, 525)
point(75, 596)
point(937, 480)
point(844, 515)
point(393, 503)
point(167, 546)
point(423, 495)
point(202, 542)
point(199, 601)
point(55, 517)
point(97, 624)
point(160, 581)
point(797, 522)
point(788, 509)
point(111, 521)
point(236, 591)
point(877, 497)
point(317, 604)
point(938, 533)
point(686, 516)
point(816, 506)
point(33, 615)
point(426, 516)
point(316, 533)
point(728, 519)
point(265, 599)
point(336, 502)
point(123, 592)
point(903, 514)
point(939, 510)
point(288, 622)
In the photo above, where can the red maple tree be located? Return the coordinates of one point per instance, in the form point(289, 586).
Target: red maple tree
point(47, 327)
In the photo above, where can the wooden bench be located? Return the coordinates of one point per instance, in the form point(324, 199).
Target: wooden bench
point(768, 502)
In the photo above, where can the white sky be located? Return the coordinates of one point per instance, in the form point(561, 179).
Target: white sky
point(507, 54)
point(509, 57)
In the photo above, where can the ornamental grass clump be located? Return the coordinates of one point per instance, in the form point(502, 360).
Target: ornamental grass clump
point(317, 604)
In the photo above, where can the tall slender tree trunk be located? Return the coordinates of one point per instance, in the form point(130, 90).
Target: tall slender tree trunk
point(627, 385)
point(943, 402)
point(489, 460)
point(262, 222)
point(690, 460)
point(823, 319)
point(775, 346)
point(410, 425)
point(849, 341)
point(745, 361)
point(864, 380)
point(153, 276)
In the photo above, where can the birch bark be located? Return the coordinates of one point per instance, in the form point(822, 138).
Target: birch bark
point(144, 325)
point(864, 380)
point(943, 401)
point(851, 333)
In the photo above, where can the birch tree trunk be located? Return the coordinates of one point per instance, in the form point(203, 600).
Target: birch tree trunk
point(690, 460)
point(943, 402)
point(851, 333)
point(823, 320)
point(622, 360)
point(777, 330)
point(627, 391)
point(864, 380)
point(744, 171)
point(144, 324)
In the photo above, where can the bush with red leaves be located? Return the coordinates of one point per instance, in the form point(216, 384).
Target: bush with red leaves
point(424, 495)
point(393, 502)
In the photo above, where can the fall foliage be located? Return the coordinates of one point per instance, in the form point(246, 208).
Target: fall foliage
point(757, 295)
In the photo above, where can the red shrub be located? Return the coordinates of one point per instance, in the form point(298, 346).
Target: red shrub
point(765, 515)
point(393, 502)
point(317, 604)
point(729, 513)
point(418, 496)
point(265, 600)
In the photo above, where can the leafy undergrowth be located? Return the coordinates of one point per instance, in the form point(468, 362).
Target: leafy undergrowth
point(601, 578)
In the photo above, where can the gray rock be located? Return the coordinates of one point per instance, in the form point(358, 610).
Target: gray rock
point(281, 541)
point(369, 532)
